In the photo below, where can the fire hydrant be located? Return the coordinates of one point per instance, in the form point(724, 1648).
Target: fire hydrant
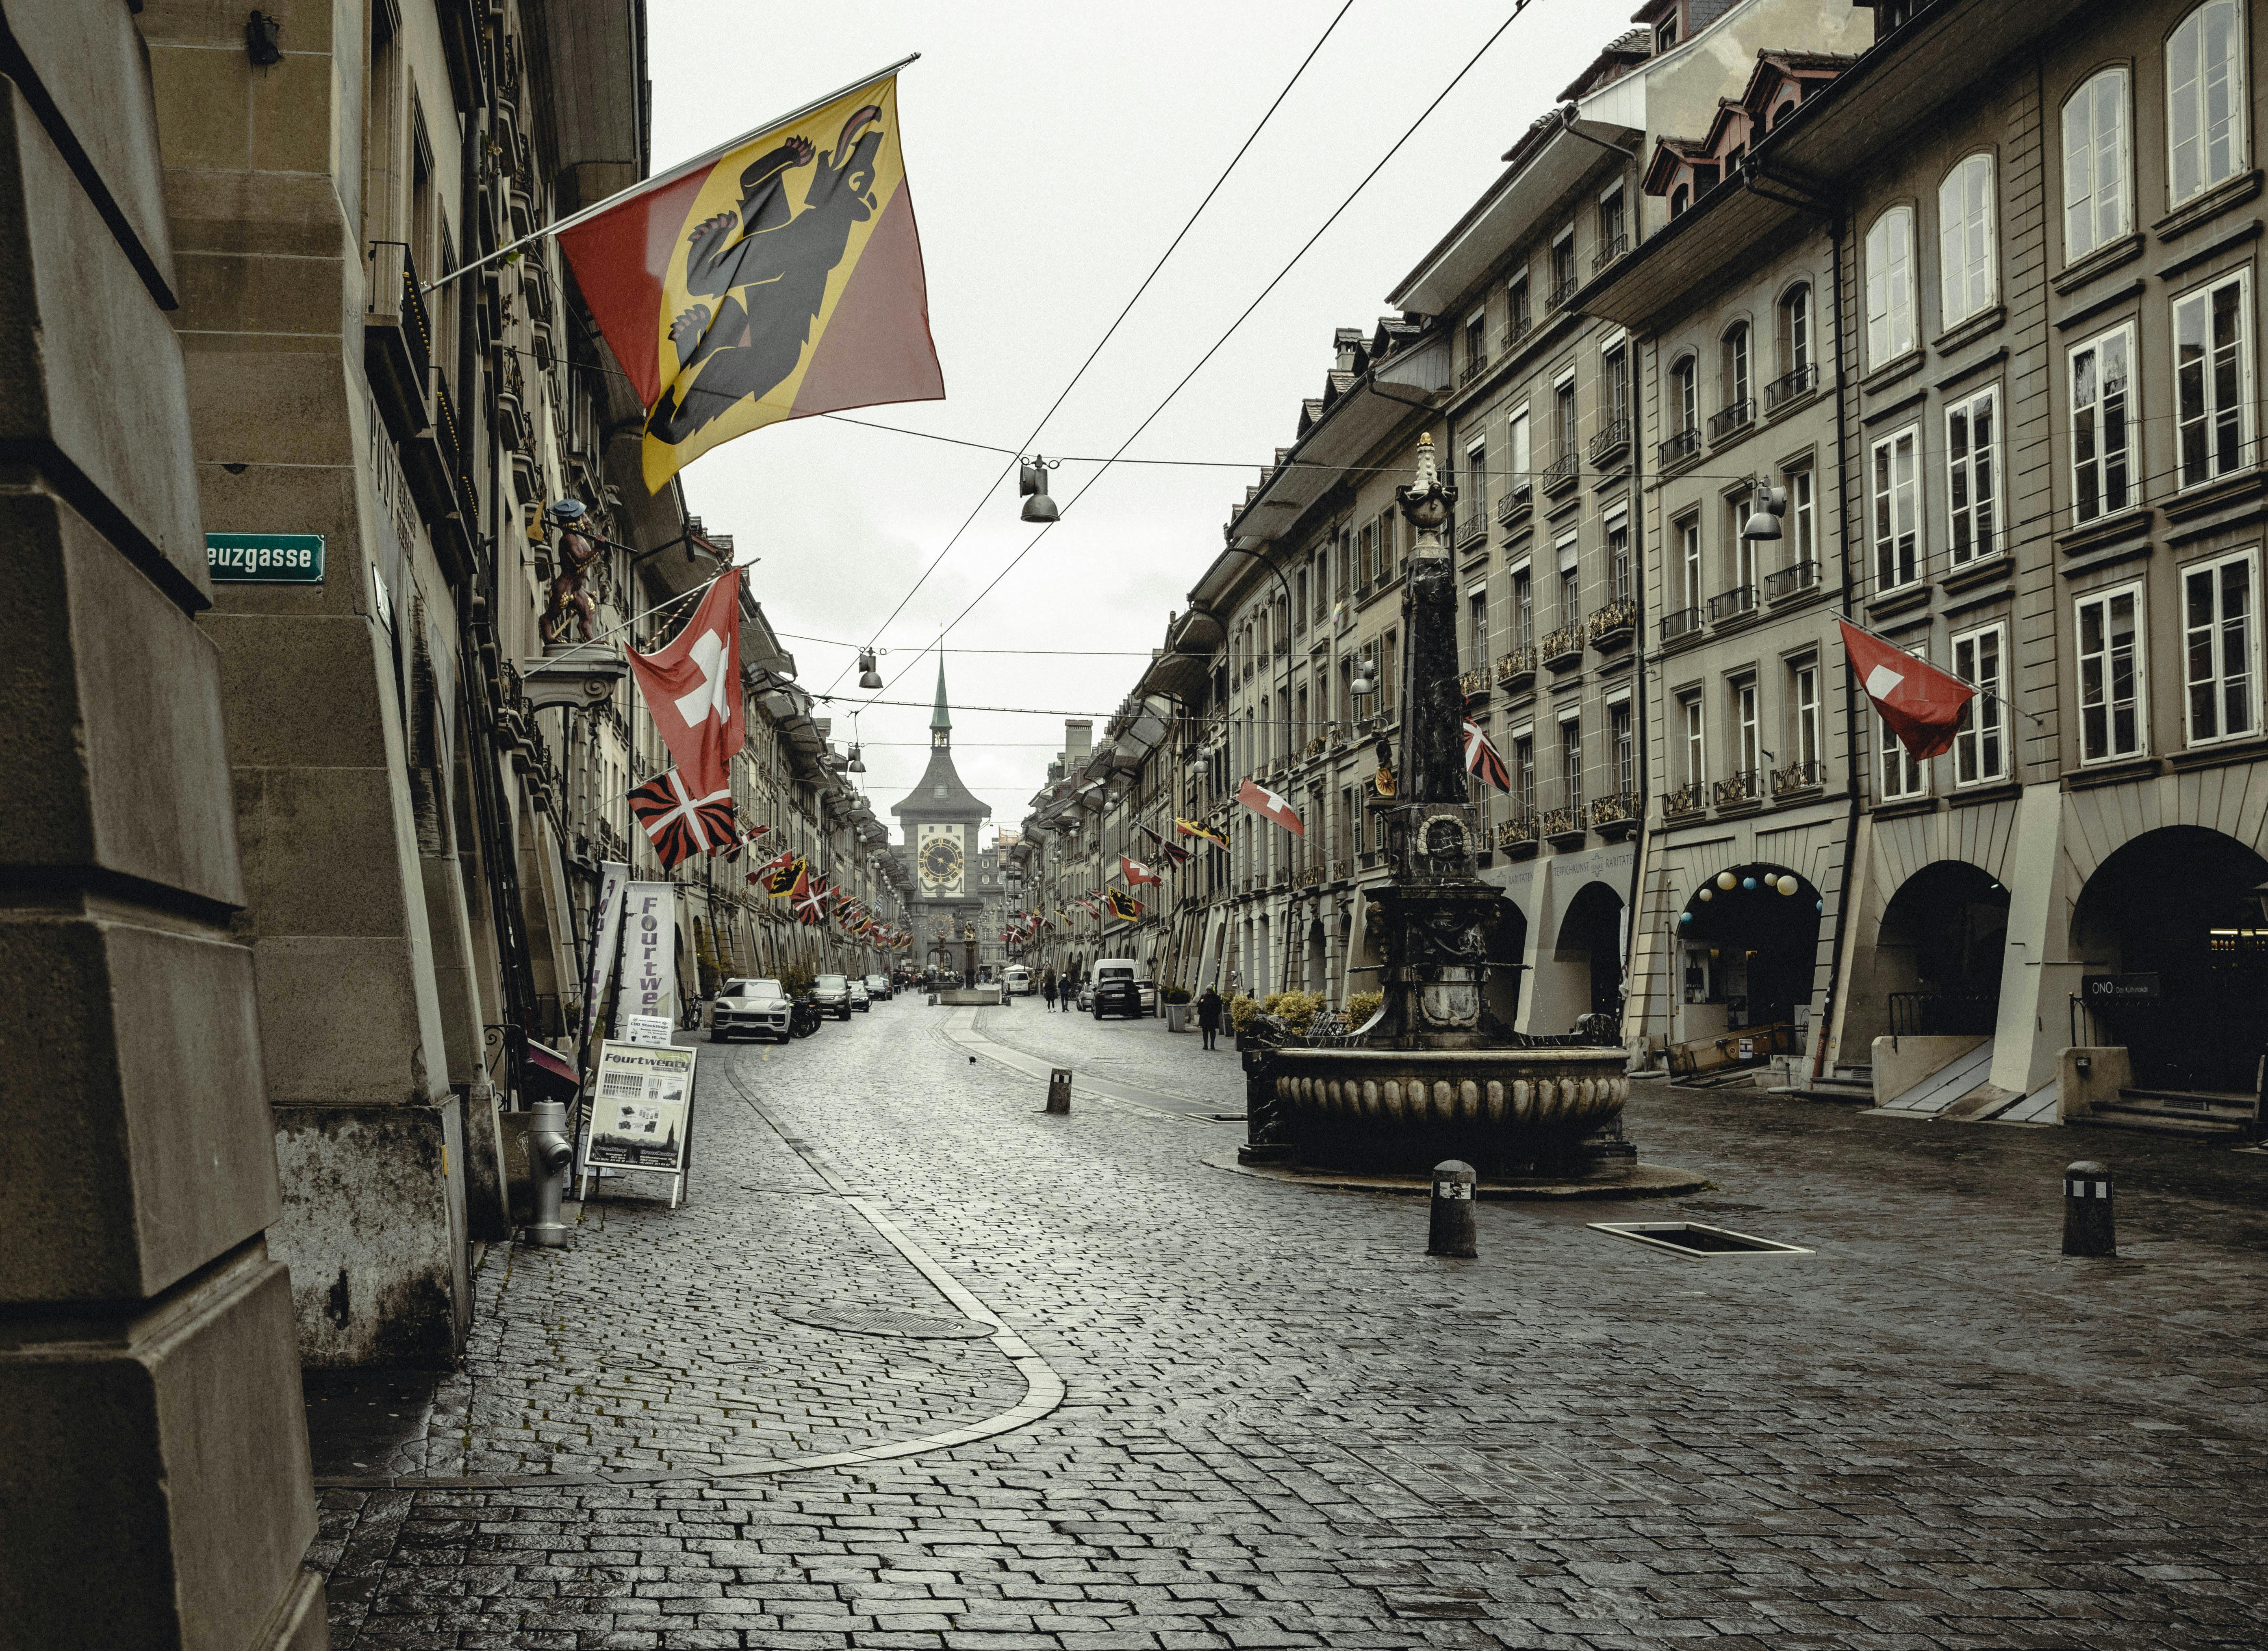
point(550, 1153)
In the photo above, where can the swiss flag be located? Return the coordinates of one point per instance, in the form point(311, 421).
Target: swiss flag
point(1921, 703)
point(1136, 872)
point(692, 687)
point(1269, 806)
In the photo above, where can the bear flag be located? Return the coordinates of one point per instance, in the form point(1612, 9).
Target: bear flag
point(1920, 705)
point(774, 278)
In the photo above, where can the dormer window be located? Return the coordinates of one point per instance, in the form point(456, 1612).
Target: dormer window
point(1680, 198)
point(1665, 33)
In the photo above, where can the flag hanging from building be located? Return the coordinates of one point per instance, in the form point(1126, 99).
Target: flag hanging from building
point(1123, 906)
point(1173, 853)
point(1135, 872)
point(1269, 806)
point(811, 901)
point(1482, 758)
point(1921, 703)
point(679, 823)
point(692, 687)
point(779, 278)
point(787, 876)
point(1191, 829)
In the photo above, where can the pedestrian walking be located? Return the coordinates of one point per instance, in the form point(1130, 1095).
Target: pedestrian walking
point(1048, 990)
point(1209, 1015)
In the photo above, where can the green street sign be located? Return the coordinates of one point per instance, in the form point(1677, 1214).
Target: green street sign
point(264, 558)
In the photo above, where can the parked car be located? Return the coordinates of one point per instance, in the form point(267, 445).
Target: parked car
point(1117, 995)
point(1019, 980)
point(1148, 989)
point(861, 999)
point(880, 989)
point(750, 1008)
point(1086, 995)
point(832, 994)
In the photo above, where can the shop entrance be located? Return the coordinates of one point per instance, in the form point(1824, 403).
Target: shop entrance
point(1748, 950)
point(2174, 917)
point(1591, 934)
point(1937, 956)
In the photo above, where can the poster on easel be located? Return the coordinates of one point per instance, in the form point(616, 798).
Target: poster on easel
point(640, 1122)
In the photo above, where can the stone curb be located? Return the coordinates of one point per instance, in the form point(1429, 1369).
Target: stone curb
point(1647, 1181)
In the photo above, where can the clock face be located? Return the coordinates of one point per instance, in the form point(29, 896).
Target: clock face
point(940, 861)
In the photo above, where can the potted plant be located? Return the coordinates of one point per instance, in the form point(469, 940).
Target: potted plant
point(1177, 1008)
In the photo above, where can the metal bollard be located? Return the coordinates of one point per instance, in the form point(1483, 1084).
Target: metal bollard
point(549, 1154)
point(2089, 1228)
point(1451, 1233)
point(1059, 1090)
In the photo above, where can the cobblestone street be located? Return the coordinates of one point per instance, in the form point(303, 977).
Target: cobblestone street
point(1282, 1424)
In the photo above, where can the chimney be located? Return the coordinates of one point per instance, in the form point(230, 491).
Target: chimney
point(1079, 743)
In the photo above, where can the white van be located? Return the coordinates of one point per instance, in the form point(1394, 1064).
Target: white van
point(1018, 980)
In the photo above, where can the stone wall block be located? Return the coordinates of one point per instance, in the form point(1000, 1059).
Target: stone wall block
point(154, 1501)
point(355, 1017)
point(227, 291)
point(112, 706)
point(91, 379)
point(320, 845)
point(260, 400)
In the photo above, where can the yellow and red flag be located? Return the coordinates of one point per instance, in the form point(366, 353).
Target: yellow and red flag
point(774, 279)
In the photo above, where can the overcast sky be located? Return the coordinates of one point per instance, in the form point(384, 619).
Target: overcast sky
point(1052, 153)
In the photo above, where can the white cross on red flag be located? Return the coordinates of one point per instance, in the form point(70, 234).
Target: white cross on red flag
point(1136, 872)
point(1269, 806)
point(1921, 705)
point(692, 687)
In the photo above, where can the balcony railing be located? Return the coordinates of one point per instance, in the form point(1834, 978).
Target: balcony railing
point(1683, 623)
point(1791, 581)
point(1515, 333)
point(1798, 777)
point(1683, 799)
point(1608, 251)
point(1516, 503)
point(1473, 682)
point(1621, 809)
point(1677, 449)
point(1474, 529)
point(1514, 832)
point(1562, 291)
point(1564, 823)
point(1737, 788)
point(1474, 367)
point(1612, 626)
point(1613, 439)
point(1789, 387)
point(1562, 471)
point(1562, 647)
point(1517, 668)
point(1732, 604)
point(1736, 418)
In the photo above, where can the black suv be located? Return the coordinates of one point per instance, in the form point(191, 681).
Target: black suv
point(1117, 995)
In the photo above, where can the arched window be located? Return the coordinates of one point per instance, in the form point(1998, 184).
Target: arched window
point(2094, 200)
point(1783, 108)
point(1684, 392)
point(1680, 198)
point(1795, 337)
point(1889, 286)
point(2205, 98)
point(1737, 382)
point(1964, 240)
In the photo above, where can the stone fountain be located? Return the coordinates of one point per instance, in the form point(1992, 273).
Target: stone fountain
point(1436, 1075)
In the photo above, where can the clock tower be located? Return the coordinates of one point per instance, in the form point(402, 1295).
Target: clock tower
point(938, 819)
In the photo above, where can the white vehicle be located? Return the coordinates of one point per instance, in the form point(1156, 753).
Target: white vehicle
point(755, 1008)
point(859, 998)
point(1019, 981)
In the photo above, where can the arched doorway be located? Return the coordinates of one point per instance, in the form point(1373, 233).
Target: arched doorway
point(1937, 955)
point(1748, 952)
point(1315, 972)
point(1507, 949)
point(1591, 936)
point(2174, 919)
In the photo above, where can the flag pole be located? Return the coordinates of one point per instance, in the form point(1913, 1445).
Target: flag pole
point(669, 177)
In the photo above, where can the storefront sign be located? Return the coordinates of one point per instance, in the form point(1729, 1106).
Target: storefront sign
point(264, 558)
point(641, 1114)
point(649, 953)
point(606, 937)
point(2119, 988)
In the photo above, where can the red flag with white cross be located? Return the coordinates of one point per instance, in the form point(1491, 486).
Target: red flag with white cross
point(692, 687)
point(1921, 705)
point(1269, 806)
point(1135, 872)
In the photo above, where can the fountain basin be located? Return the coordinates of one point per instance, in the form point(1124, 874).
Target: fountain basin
point(1553, 1112)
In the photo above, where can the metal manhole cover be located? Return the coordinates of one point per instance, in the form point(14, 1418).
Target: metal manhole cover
point(882, 1320)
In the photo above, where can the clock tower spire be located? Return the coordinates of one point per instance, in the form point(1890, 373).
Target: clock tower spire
point(940, 720)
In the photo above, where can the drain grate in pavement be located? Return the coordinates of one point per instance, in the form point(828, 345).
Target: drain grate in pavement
point(882, 1320)
point(1692, 1238)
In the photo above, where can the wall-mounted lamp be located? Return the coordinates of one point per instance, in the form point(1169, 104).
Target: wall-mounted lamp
point(260, 40)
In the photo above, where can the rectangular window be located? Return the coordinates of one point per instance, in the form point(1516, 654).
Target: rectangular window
point(1570, 760)
point(1685, 386)
point(1744, 549)
point(1345, 562)
point(1618, 559)
point(2100, 414)
point(1803, 695)
point(1747, 737)
point(1524, 772)
point(1389, 676)
point(2110, 705)
point(1613, 376)
point(1611, 223)
point(1388, 544)
point(1625, 747)
point(1563, 268)
point(2221, 634)
point(1889, 287)
point(1980, 744)
point(1689, 549)
point(1518, 459)
point(1803, 514)
point(2212, 372)
point(1521, 318)
point(1897, 510)
point(1475, 342)
point(1473, 504)
point(1900, 774)
point(1972, 474)
point(1562, 415)
point(1570, 584)
point(1476, 638)
point(1523, 611)
point(1695, 757)
point(1300, 601)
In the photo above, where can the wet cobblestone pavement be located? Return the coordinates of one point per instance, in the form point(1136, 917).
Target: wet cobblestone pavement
point(1285, 1425)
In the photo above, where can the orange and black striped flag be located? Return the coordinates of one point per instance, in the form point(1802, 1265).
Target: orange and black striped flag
point(774, 278)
